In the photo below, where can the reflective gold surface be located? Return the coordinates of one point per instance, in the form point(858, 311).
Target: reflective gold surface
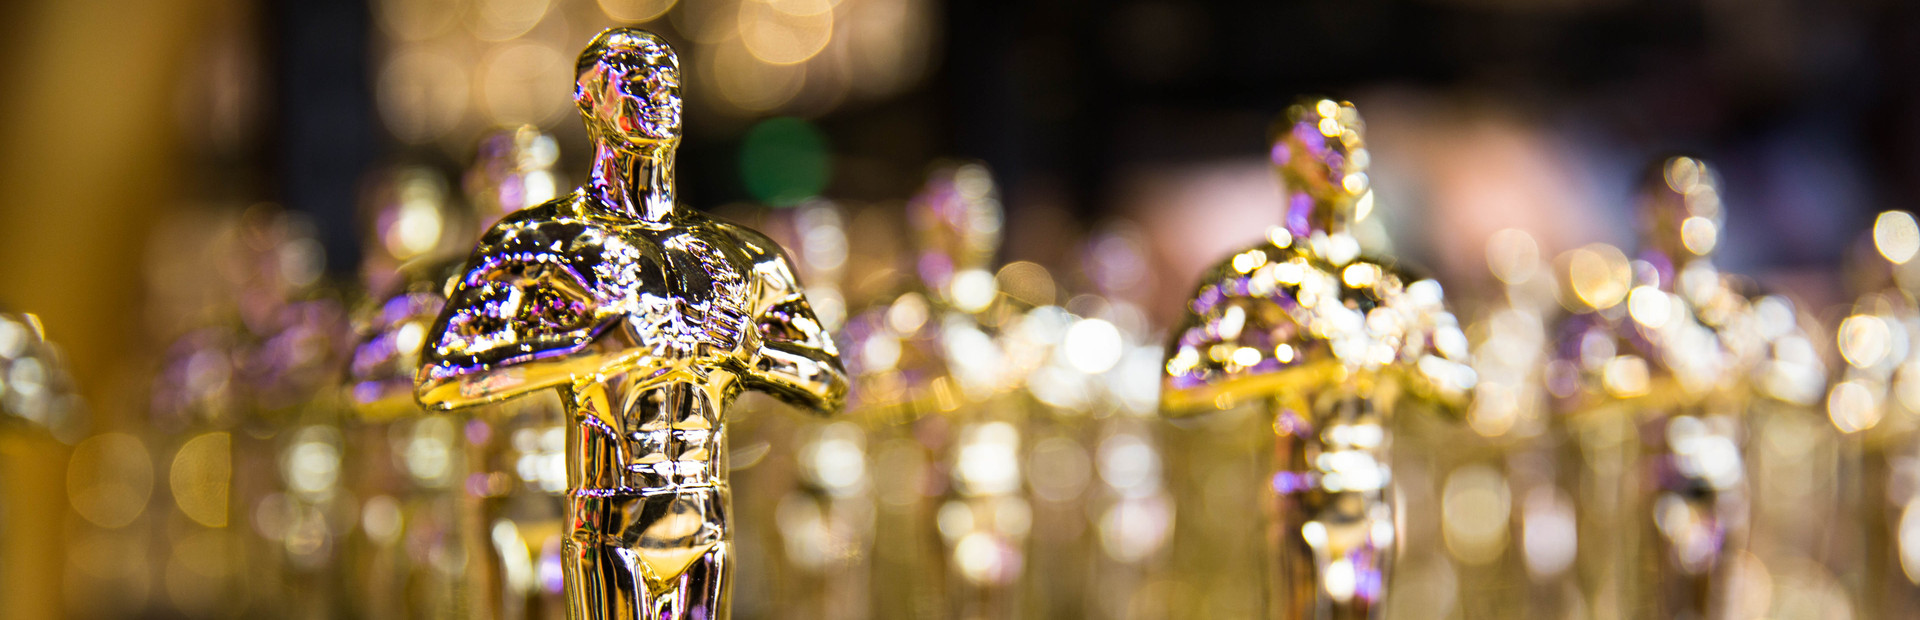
point(1873, 401)
point(1638, 433)
point(1328, 339)
point(1664, 372)
point(650, 320)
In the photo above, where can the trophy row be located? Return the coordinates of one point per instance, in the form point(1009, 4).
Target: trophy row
point(552, 420)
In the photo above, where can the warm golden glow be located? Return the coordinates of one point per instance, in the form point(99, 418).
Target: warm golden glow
point(1246, 356)
point(973, 290)
point(1683, 173)
point(1513, 255)
point(1246, 262)
point(1028, 282)
point(907, 314)
point(1650, 306)
point(1279, 236)
point(201, 477)
point(1360, 275)
point(1864, 340)
point(1853, 407)
point(1328, 108)
point(500, 20)
point(422, 93)
point(1475, 507)
point(1699, 235)
point(785, 32)
point(1599, 275)
point(109, 479)
point(636, 11)
point(1495, 409)
point(746, 82)
point(1354, 184)
point(1909, 542)
point(1626, 376)
point(525, 83)
point(1093, 346)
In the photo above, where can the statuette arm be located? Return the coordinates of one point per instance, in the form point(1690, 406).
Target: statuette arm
point(797, 361)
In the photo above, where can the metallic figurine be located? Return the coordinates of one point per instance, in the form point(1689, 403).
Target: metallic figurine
point(1131, 508)
point(895, 336)
point(1662, 378)
point(649, 319)
point(1875, 402)
point(926, 369)
point(1330, 341)
point(985, 516)
point(408, 463)
point(822, 514)
point(512, 170)
point(516, 521)
point(1506, 510)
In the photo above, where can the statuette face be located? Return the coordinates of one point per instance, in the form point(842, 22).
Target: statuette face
point(649, 319)
point(628, 88)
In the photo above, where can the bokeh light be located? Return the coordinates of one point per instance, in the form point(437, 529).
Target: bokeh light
point(109, 478)
point(201, 477)
point(636, 11)
point(422, 93)
point(1896, 236)
point(525, 83)
point(785, 32)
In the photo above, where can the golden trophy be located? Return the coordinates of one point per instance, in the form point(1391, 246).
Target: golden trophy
point(893, 335)
point(514, 509)
point(406, 467)
point(1127, 504)
point(1507, 514)
point(457, 513)
point(649, 319)
point(1661, 378)
point(287, 451)
point(983, 516)
point(818, 512)
point(1331, 342)
point(1874, 401)
point(512, 169)
point(922, 404)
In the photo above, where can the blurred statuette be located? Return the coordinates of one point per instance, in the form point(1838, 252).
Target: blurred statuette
point(1329, 341)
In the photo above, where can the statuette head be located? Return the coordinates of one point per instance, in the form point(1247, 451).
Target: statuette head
point(627, 86)
point(1319, 151)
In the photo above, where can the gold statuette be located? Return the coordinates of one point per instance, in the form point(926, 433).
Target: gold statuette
point(1329, 340)
point(1662, 372)
point(649, 319)
point(1876, 402)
